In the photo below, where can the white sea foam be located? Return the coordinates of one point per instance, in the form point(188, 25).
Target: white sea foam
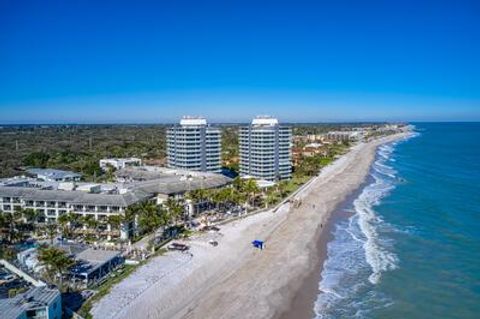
point(359, 254)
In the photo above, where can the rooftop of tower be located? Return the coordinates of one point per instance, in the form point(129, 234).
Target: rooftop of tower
point(264, 120)
point(193, 120)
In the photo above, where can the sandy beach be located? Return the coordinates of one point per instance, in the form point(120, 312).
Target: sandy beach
point(234, 280)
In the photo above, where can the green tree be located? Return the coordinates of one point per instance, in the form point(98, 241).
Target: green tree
point(50, 229)
point(36, 159)
point(150, 217)
point(251, 188)
point(271, 199)
point(56, 262)
point(11, 224)
point(175, 210)
point(65, 222)
point(115, 221)
point(7, 252)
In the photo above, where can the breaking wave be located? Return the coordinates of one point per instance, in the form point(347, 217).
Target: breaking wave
point(361, 251)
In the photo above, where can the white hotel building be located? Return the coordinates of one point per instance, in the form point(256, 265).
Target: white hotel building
point(194, 145)
point(265, 149)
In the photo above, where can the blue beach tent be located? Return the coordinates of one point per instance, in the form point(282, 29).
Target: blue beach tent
point(258, 244)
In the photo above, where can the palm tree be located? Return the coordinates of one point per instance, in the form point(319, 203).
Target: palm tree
point(91, 223)
point(110, 173)
point(175, 209)
point(149, 219)
point(6, 224)
point(215, 198)
point(223, 197)
point(115, 221)
point(10, 223)
point(7, 252)
point(51, 231)
point(130, 216)
point(270, 199)
point(30, 215)
point(238, 183)
point(56, 262)
point(65, 222)
point(40, 216)
point(130, 213)
point(251, 188)
point(282, 188)
point(197, 196)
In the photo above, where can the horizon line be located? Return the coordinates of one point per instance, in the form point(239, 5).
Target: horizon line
point(227, 123)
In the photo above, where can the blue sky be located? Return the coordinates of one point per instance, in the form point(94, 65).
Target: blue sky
point(154, 61)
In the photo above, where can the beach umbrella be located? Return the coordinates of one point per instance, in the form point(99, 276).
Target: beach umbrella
point(258, 244)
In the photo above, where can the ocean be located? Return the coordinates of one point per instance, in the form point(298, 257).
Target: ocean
point(408, 244)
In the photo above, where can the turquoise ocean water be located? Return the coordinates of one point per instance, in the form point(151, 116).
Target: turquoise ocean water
point(410, 245)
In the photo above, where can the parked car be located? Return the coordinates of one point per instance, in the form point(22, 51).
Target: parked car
point(178, 246)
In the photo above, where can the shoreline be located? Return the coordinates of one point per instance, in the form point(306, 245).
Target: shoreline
point(303, 303)
point(234, 280)
point(302, 306)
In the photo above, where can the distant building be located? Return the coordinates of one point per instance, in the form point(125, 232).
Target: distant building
point(265, 149)
point(54, 175)
point(119, 163)
point(344, 136)
point(194, 145)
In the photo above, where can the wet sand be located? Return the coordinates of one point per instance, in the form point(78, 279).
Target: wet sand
point(302, 306)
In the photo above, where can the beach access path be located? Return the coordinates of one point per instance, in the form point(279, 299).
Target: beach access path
point(233, 279)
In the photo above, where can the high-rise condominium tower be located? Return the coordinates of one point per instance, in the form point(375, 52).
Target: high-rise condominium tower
point(265, 149)
point(194, 145)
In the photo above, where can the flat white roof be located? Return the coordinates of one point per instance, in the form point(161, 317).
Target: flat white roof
point(121, 160)
point(189, 120)
point(264, 120)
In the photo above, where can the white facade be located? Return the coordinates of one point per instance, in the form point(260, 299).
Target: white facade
point(119, 163)
point(344, 135)
point(265, 149)
point(195, 146)
point(54, 208)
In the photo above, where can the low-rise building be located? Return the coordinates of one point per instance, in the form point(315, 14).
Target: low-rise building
point(103, 200)
point(54, 175)
point(93, 265)
point(119, 163)
point(344, 136)
point(38, 303)
point(54, 203)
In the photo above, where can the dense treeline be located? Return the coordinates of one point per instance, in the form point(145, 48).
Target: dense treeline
point(79, 147)
point(322, 128)
point(76, 147)
point(230, 148)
